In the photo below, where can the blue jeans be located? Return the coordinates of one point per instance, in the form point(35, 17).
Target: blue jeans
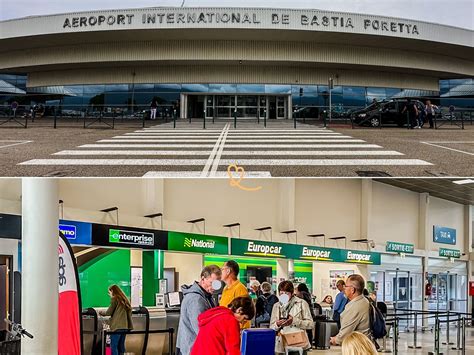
point(117, 342)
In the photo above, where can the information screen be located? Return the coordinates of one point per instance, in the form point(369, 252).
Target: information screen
point(174, 299)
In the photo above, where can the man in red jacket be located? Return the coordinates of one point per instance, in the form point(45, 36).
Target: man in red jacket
point(219, 328)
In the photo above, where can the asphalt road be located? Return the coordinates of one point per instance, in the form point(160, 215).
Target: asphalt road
point(277, 150)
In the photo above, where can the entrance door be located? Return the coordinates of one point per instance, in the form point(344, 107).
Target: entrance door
point(272, 107)
point(281, 106)
point(196, 106)
point(210, 106)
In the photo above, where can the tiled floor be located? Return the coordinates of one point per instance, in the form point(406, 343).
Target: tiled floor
point(425, 340)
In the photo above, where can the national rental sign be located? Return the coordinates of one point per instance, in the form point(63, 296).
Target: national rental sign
point(198, 243)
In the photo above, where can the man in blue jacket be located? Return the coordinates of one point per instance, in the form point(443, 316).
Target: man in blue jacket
point(340, 303)
point(197, 299)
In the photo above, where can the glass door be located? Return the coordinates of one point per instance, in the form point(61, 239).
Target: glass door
point(209, 106)
point(281, 106)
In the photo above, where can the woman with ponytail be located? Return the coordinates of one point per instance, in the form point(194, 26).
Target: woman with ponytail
point(120, 312)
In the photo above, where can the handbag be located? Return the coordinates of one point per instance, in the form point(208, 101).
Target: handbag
point(297, 338)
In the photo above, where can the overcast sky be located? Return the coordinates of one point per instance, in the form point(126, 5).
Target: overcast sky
point(458, 13)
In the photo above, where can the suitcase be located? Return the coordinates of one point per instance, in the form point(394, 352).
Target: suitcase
point(258, 341)
point(323, 333)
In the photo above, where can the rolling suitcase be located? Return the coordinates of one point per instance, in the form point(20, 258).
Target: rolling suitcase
point(258, 341)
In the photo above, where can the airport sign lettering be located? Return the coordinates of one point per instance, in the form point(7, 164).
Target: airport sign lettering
point(401, 248)
point(450, 253)
point(69, 231)
point(264, 18)
point(444, 235)
point(360, 257)
point(131, 237)
point(198, 243)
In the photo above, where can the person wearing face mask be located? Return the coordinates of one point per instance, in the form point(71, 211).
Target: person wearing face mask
point(197, 299)
point(290, 314)
point(219, 328)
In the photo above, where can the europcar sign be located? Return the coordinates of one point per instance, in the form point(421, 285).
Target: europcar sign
point(198, 243)
point(259, 248)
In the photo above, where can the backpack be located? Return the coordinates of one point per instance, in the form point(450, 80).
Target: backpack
point(267, 306)
point(377, 322)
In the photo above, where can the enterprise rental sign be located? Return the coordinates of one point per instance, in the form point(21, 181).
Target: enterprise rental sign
point(129, 237)
point(256, 18)
point(243, 247)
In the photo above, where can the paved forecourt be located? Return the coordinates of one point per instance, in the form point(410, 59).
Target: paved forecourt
point(192, 151)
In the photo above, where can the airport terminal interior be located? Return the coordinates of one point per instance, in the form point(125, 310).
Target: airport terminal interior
point(410, 239)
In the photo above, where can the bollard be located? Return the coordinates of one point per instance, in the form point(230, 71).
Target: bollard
point(415, 333)
point(447, 342)
point(174, 119)
point(143, 120)
point(235, 118)
point(265, 119)
point(395, 336)
point(204, 121)
point(55, 119)
point(458, 335)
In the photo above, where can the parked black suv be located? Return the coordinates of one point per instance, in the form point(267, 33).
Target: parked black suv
point(384, 112)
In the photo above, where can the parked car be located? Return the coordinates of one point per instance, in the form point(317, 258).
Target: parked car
point(384, 112)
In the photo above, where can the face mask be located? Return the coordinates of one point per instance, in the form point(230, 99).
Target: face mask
point(284, 298)
point(216, 285)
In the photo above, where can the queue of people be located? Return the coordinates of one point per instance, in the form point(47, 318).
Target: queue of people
point(210, 326)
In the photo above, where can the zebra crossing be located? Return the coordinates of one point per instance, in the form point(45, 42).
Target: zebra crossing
point(208, 153)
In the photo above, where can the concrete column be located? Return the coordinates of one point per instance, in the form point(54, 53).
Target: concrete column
point(468, 243)
point(291, 269)
point(282, 270)
point(424, 242)
point(39, 301)
point(366, 208)
point(287, 206)
point(153, 200)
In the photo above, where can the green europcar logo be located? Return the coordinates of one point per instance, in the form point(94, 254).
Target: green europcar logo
point(131, 237)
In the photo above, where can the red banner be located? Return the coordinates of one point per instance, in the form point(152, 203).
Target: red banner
point(70, 332)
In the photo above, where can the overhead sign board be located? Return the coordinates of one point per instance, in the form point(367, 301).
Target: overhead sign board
point(444, 235)
point(258, 248)
point(450, 253)
point(129, 237)
point(198, 243)
point(77, 233)
point(401, 248)
point(10, 226)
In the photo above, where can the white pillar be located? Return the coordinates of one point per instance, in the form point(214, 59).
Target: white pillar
point(366, 208)
point(282, 270)
point(291, 269)
point(39, 296)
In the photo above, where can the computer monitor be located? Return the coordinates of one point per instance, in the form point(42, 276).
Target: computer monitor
point(174, 299)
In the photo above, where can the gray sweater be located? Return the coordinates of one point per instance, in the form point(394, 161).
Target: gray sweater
point(195, 301)
point(356, 317)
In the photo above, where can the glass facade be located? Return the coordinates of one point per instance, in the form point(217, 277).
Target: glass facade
point(250, 100)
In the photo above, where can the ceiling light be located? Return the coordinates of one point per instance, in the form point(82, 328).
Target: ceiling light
point(464, 182)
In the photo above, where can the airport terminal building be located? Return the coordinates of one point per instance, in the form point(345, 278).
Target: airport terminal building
point(210, 62)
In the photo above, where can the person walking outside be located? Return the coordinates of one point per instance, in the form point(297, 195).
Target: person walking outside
point(219, 328)
point(120, 312)
point(356, 316)
point(153, 107)
point(430, 112)
point(412, 112)
point(197, 299)
point(339, 303)
point(234, 288)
